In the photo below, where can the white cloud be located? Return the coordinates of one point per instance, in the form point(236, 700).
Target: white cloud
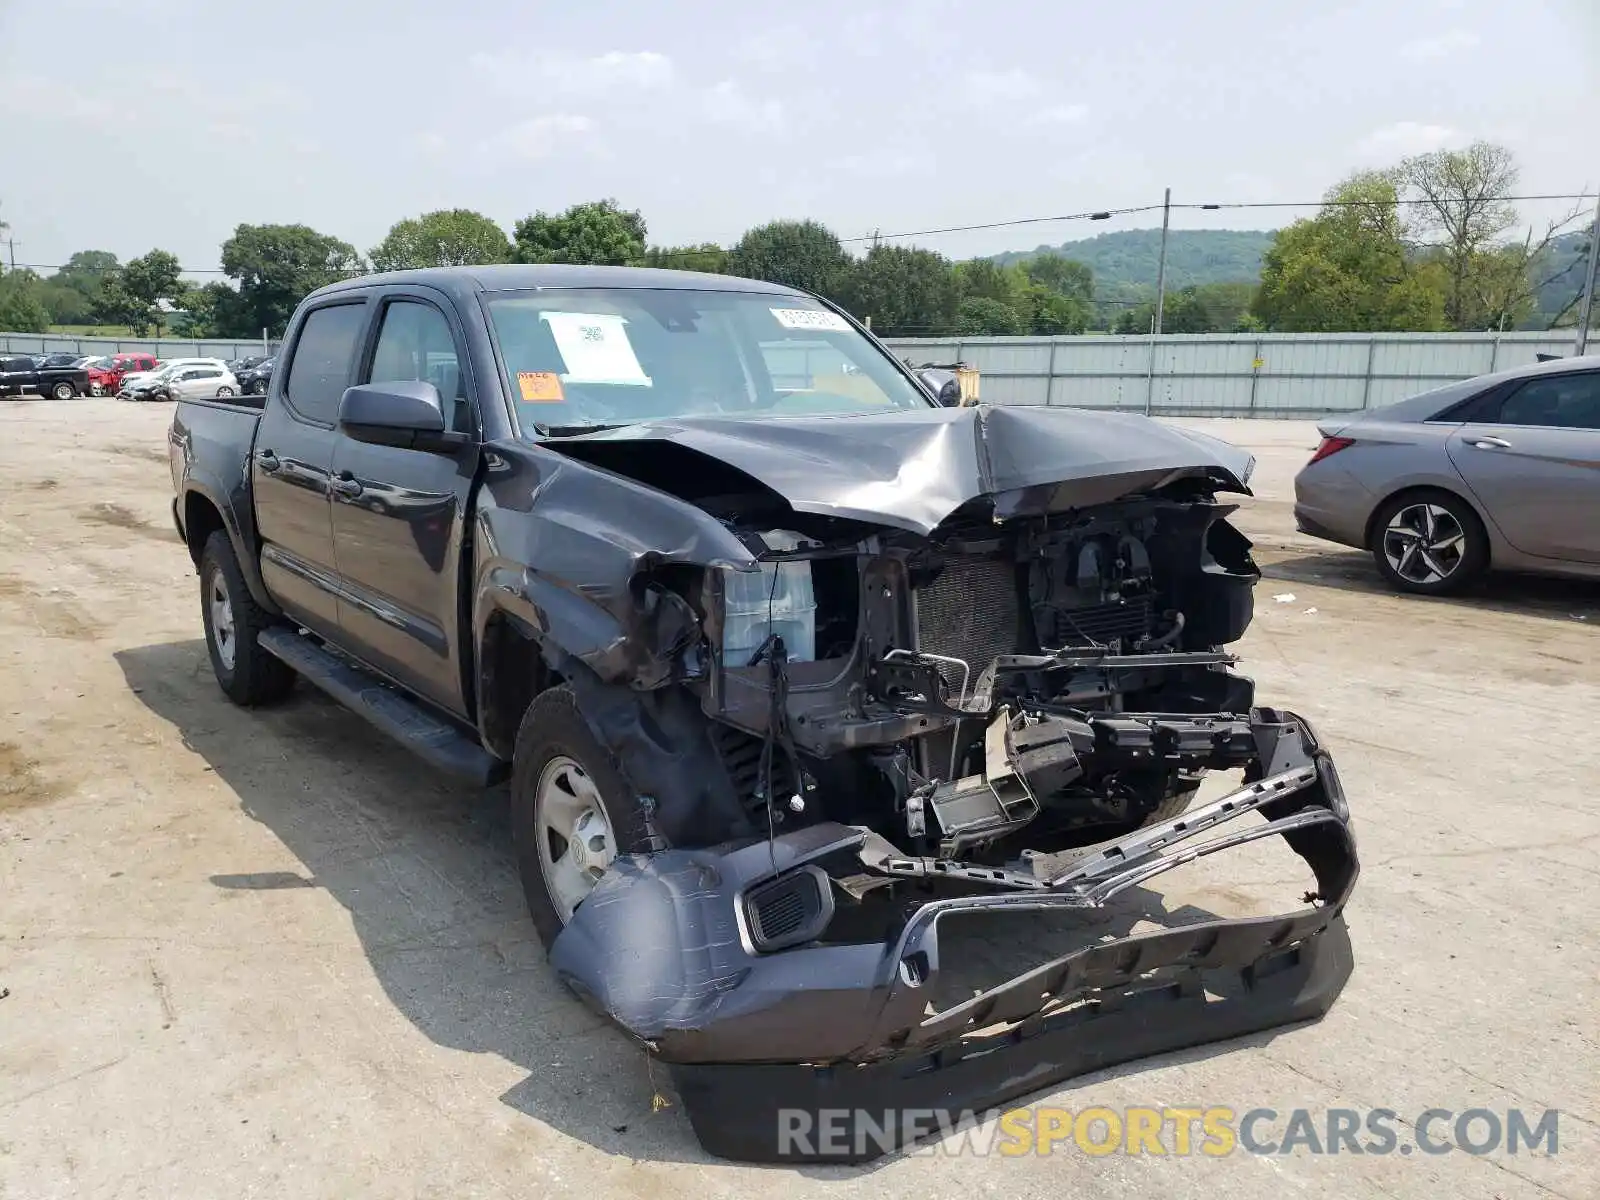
point(780, 46)
point(1444, 45)
point(537, 136)
point(1404, 138)
point(879, 166)
point(729, 104)
point(555, 74)
point(1002, 87)
point(1061, 114)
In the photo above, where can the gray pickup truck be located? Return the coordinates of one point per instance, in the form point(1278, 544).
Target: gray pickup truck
point(787, 660)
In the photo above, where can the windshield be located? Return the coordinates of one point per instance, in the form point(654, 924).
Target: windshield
point(584, 357)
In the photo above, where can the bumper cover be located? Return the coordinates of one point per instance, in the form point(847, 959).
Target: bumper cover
point(759, 1044)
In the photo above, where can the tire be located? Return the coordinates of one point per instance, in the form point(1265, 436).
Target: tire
point(554, 739)
point(1175, 801)
point(248, 675)
point(258, 388)
point(63, 391)
point(1451, 549)
point(224, 392)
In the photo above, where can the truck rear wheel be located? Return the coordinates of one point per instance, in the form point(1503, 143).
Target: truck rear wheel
point(572, 810)
point(232, 618)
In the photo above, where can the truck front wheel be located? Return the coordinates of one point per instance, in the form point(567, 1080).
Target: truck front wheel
point(232, 618)
point(572, 811)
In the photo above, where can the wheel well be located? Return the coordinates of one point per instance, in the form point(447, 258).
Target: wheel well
point(200, 520)
point(512, 671)
point(1419, 491)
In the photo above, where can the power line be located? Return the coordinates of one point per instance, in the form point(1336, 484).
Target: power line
point(658, 254)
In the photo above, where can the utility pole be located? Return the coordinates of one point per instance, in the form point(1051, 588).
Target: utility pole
point(11, 244)
point(1582, 340)
point(1161, 270)
point(1161, 296)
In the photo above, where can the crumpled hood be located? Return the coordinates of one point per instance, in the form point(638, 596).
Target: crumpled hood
point(912, 469)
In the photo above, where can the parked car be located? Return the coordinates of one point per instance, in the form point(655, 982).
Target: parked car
point(106, 375)
point(27, 375)
point(135, 380)
point(761, 645)
point(1501, 472)
point(60, 360)
point(254, 381)
point(237, 365)
point(186, 380)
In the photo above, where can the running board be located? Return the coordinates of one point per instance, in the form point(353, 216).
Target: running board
point(431, 738)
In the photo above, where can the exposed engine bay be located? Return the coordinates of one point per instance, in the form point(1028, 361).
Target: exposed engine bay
point(996, 691)
point(1027, 685)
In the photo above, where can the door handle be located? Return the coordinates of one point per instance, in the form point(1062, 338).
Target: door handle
point(1485, 442)
point(268, 461)
point(346, 484)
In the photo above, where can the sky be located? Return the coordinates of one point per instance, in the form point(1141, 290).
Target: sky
point(166, 123)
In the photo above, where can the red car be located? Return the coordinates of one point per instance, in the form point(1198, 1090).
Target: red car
point(105, 374)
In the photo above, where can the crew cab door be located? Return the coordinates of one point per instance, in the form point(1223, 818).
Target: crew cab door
point(291, 464)
point(1532, 457)
point(399, 514)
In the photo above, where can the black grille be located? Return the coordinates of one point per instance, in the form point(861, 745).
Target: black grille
point(969, 612)
point(791, 909)
point(1096, 623)
point(741, 755)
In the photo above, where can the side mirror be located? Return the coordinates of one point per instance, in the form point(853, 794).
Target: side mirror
point(943, 385)
point(407, 413)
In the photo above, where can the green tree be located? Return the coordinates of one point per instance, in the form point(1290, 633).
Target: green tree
point(707, 257)
point(801, 254)
point(1347, 268)
point(71, 292)
point(597, 232)
point(1061, 275)
point(22, 307)
point(904, 291)
point(985, 279)
point(132, 296)
point(213, 311)
point(276, 266)
point(451, 237)
point(981, 316)
point(1049, 312)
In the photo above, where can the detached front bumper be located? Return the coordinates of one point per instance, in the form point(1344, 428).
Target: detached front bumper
point(762, 1044)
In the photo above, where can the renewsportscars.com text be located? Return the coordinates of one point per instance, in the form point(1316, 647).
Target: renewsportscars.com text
point(1208, 1131)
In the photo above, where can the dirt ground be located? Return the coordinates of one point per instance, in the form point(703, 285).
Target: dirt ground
point(268, 954)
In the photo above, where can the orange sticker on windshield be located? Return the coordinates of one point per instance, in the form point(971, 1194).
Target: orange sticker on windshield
point(540, 387)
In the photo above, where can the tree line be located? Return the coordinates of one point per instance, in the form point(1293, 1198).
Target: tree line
point(1424, 245)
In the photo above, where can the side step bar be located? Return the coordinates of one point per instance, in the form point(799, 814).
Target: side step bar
point(431, 738)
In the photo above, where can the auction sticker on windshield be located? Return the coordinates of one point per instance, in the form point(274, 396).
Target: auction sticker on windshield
point(811, 318)
point(540, 387)
point(595, 348)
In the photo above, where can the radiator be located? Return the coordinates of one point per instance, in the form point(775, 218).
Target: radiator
point(969, 612)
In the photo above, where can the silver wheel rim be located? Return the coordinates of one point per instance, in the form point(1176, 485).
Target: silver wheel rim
point(225, 391)
point(1424, 543)
point(223, 634)
point(576, 842)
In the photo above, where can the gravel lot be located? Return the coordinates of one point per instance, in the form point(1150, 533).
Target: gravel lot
point(270, 954)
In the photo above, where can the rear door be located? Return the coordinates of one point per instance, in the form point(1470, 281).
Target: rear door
point(1531, 455)
point(399, 515)
point(292, 461)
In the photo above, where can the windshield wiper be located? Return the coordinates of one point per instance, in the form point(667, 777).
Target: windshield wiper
point(571, 430)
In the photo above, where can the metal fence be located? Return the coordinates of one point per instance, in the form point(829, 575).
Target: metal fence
point(1230, 375)
point(66, 343)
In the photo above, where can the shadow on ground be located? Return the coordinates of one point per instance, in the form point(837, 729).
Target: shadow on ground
point(422, 865)
point(1526, 595)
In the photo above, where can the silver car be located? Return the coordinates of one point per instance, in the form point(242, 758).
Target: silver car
point(1499, 472)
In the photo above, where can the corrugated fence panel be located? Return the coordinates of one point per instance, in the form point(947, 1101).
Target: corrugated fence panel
point(1271, 374)
point(65, 343)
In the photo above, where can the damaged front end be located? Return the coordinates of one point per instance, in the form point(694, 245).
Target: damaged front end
point(953, 711)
